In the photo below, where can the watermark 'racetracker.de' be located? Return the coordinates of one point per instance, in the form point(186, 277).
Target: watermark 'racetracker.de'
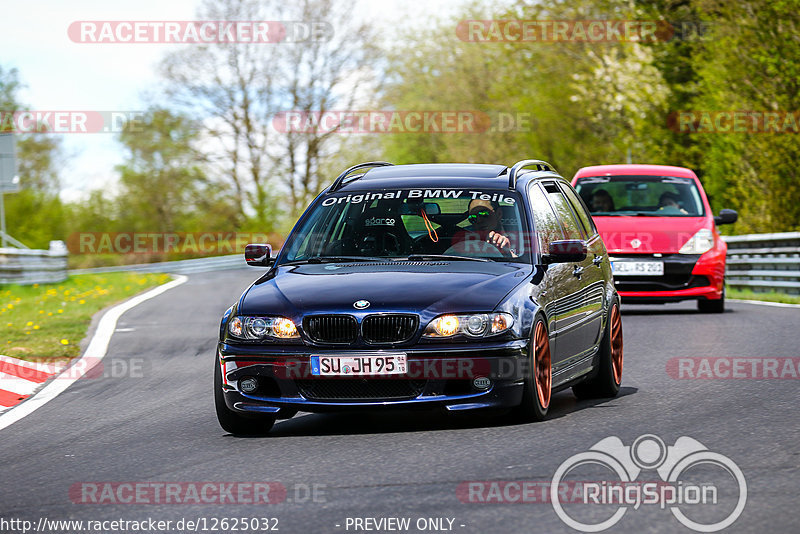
point(734, 368)
point(198, 31)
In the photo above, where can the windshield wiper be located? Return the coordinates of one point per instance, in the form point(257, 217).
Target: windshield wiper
point(427, 257)
point(335, 259)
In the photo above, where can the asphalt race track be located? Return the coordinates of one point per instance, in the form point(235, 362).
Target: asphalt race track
point(155, 423)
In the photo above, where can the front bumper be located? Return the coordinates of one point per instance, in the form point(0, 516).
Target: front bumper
point(686, 277)
point(438, 377)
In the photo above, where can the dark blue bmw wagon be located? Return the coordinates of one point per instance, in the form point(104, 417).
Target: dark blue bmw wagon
point(451, 286)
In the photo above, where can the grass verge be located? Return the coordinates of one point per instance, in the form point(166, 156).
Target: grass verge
point(772, 296)
point(46, 322)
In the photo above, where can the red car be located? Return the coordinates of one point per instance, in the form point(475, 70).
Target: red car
point(661, 236)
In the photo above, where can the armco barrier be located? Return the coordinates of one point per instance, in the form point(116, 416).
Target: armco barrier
point(759, 262)
point(764, 262)
point(198, 265)
point(25, 266)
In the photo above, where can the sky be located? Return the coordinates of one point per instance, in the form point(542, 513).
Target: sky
point(59, 74)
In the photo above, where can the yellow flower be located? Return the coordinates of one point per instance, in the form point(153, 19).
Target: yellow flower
point(60, 311)
point(35, 286)
point(36, 327)
point(41, 311)
point(29, 323)
point(64, 342)
point(81, 301)
point(49, 314)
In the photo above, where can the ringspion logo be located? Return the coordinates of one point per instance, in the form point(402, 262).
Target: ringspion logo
point(704, 490)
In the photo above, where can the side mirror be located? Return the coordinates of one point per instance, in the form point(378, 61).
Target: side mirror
point(258, 255)
point(566, 251)
point(726, 217)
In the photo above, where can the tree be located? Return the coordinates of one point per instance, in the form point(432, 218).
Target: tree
point(162, 185)
point(35, 214)
point(237, 88)
point(571, 103)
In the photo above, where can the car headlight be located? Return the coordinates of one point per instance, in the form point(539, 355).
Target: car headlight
point(255, 328)
point(699, 243)
point(471, 325)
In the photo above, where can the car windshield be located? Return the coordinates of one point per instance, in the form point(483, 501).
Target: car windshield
point(653, 196)
point(411, 223)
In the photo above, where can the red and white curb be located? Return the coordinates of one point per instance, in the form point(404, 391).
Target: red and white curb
point(96, 351)
point(20, 379)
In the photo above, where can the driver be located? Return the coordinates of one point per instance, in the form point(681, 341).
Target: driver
point(484, 217)
point(668, 202)
point(601, 201)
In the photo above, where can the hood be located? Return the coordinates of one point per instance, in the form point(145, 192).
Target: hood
point(664, 235)
point(414, 287)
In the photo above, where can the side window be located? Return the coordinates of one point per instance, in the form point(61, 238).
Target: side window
point(580, 209)
point(564, 213)
point(546, 224)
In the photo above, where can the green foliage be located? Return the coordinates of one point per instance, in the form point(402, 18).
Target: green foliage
point(163, 188)
point(595, 103)
point(751, 61)
point(571, 103)
point(35, 217)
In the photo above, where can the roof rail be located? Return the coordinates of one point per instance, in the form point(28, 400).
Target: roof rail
point(518, 166)
point(339, 182)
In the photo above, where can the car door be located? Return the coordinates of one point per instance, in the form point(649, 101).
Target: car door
point(579, 307)
point(557, 283)
point(593, 277)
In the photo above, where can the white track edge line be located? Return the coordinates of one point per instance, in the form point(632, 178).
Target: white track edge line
point(767, 303)
point(95, 352)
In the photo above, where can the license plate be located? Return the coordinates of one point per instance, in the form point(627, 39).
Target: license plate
point(637, 268)
point(349, 365)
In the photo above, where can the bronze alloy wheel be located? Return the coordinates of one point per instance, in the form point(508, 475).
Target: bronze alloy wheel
point(616, 343)
point(543, 373)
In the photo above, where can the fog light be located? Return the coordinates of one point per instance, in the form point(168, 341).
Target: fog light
point(248, 385)
point(481, 382)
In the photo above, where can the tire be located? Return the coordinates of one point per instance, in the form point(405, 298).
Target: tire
point(538, 387)
point(606, 382)
point(232, 422)
point(712, 306)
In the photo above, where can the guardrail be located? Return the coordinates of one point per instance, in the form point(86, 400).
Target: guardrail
point(759, 262)
point(764, 262)
point(25, 266)
point(197, 265)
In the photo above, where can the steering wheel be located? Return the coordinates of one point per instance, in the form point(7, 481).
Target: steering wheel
point(476, 249)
